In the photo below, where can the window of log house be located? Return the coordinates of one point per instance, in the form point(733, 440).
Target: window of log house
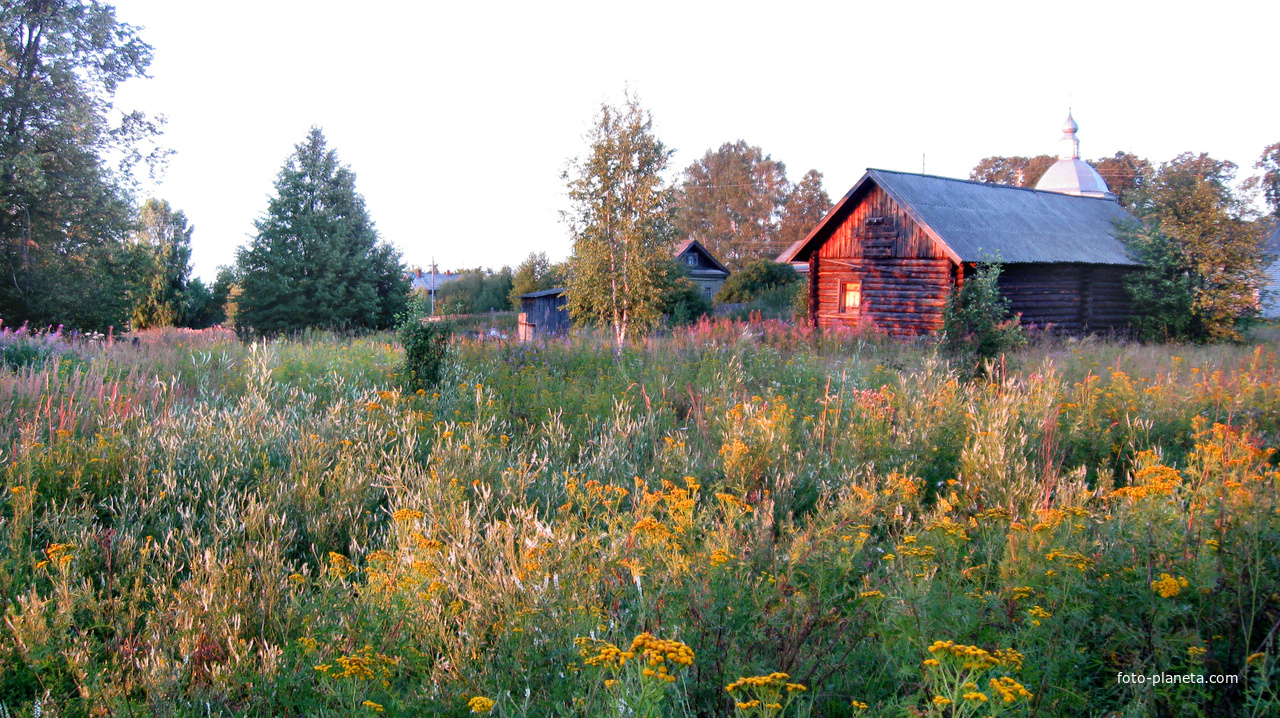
point(850, 297)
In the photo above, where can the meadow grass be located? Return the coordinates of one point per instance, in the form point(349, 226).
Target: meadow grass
point(833, 525)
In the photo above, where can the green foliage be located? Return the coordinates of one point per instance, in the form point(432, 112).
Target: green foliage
point(1012, 171)
point(1201, 242)
point(738, 202)
point(307, 538)
point(683, 302)
point(65, 215)
point(806, 205)
point(221, 305)
point(976, 324)
point(800, 303)
point(316, 261)
point(164, 240)
point(426, 345)
point(731, 201)
point(1126, 176)
point(1269, 163)
point(621, 224)
point(748, 283)
point(1164, 289)
point(475, 291)
point(535, 274)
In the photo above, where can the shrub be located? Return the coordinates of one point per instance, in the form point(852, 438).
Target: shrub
point(753, 280)
point(683, 302)
point(425, 346)
point(800, 302)
point(976, 324)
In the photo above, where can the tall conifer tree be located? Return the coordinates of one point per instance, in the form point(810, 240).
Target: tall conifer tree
point(317, 260)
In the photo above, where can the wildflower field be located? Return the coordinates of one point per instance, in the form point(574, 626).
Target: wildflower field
point(735, 520)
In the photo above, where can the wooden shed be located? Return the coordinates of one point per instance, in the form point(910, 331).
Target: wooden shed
point(889, 253)
point(543, 314)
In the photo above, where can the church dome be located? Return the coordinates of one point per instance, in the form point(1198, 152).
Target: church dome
point(1070, 174)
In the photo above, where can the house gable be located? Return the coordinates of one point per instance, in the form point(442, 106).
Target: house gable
point(874, 226)
point(693, 255)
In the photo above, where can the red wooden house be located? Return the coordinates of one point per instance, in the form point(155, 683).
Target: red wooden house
point(889, 253)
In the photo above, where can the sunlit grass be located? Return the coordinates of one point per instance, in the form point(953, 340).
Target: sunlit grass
point(191, 525)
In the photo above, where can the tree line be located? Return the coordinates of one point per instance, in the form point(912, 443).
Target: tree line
point(76, 250)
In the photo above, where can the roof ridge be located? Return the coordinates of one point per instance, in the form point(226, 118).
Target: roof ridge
point(990, 184)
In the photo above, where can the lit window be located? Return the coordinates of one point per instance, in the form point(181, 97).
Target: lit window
point(691, 260)
point(850, 297)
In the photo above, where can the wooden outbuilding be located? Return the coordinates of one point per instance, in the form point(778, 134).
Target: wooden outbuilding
point(707, 273)
point(889, 253)
point(543, 314)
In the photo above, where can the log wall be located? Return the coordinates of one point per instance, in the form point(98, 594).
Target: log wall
point(1072, 298)
point(905, 275)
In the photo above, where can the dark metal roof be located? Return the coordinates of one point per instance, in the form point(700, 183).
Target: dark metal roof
point(543, 293)
point(976, 221)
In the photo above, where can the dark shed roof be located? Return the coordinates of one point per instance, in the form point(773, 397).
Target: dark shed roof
point(543, 293)
point(978, 222)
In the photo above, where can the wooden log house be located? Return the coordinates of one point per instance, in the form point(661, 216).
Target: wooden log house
point(707, 273)
point(889, 253)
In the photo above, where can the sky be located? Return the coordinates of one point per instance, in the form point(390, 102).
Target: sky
point(459, 118)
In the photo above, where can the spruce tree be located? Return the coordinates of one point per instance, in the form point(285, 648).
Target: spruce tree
point(316, 261)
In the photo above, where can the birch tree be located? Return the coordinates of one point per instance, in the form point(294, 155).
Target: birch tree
point(621, 221)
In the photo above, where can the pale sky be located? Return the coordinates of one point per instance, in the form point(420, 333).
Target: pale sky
point(458, 118)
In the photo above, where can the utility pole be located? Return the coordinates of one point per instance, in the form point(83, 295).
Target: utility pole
point(433, 286)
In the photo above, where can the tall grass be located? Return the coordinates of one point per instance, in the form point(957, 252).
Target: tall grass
point(193, 526)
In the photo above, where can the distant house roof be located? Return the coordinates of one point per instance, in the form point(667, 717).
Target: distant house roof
point(543, 293)
point(693, 245)
point(977, 221)
point(420, 281)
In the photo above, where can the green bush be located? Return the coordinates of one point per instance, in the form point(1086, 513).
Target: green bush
point(976, 323)
point(17, 356)
point(683, 302)
point(425, 346)
point(753, 280)
point(1163, 290)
